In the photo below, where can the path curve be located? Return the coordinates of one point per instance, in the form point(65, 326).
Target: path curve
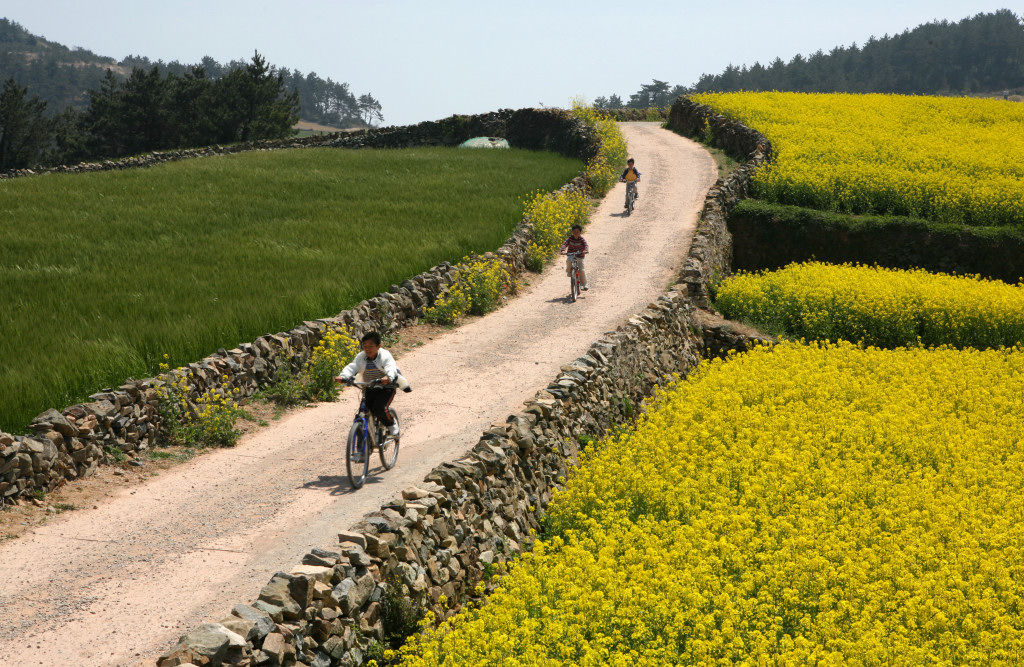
point(118, 584)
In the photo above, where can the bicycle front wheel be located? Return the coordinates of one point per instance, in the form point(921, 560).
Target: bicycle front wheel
point(357, 456)
point(389, 447)
point(574, 287)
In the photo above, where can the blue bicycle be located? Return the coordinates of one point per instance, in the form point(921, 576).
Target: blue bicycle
point(365, 434)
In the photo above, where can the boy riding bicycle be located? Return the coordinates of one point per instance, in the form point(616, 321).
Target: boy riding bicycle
point(576, 244)
point(375, 363)
point(631, 175)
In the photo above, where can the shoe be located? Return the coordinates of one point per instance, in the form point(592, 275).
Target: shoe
point(586, 287)
point(393, 430)
point(357, 457)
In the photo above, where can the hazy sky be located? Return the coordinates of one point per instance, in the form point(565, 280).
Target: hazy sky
point(428, 60)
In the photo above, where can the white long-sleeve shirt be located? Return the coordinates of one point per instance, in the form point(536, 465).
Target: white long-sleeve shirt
point(384, 364)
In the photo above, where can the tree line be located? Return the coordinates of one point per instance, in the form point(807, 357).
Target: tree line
point(63, 106)
point(320, 101)
point(983, 53)
point(147, 111)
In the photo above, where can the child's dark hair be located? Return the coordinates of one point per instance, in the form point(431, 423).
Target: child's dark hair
point(575, 227)
point(371, 335)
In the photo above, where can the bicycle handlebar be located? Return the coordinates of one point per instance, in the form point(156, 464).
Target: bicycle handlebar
point(372, 383)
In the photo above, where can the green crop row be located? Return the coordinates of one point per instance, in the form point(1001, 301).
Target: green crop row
point(102, 274)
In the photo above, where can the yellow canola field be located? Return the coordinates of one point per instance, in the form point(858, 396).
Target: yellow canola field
point(796, 505)
point(882, 307)
point(941, 158)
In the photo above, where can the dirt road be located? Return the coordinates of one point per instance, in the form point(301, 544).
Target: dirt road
point(118, 584)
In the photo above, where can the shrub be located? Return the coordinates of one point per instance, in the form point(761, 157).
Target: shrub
point(604, 168)
point(207, 420)
point(552, 216)
point(477, 290)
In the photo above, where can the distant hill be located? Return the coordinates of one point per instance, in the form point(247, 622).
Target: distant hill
point(980, 55)
point(62, 77)
point(56, 74)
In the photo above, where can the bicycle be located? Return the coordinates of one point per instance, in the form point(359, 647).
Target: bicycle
point(365, 434)
point(630, 197)
point(574, 275)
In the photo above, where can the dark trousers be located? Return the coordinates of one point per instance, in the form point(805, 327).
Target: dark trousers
point(377, 400)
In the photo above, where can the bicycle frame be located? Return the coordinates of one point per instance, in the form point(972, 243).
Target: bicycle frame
point(363, 438)
point(574, 274)
point(630, 196)
point(368, 421)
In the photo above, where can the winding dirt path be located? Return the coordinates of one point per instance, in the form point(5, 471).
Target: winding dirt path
point(118, 584)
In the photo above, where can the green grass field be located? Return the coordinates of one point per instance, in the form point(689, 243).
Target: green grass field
point(101, 274)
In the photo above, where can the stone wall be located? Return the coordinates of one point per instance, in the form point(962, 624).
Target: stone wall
point(70, 443)
point(770, 238)
point(538, 129)
point(710, 257)
point(434, 544)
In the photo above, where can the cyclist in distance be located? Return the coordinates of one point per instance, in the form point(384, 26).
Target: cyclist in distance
point(631, 175)
point(375, 363)
point(576, 243)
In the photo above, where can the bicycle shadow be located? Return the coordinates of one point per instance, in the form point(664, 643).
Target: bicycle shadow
point(565, 299)
point(338, 485)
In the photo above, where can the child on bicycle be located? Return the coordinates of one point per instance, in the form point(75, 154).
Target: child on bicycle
point(375, 363)
point(631, 175)
point(576, 243)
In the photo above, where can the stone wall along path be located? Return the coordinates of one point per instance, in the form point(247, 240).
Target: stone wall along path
point(118, 585)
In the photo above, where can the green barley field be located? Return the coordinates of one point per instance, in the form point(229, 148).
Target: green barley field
point(102, 274)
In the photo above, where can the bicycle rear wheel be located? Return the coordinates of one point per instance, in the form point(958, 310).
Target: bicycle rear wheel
point(357, 456)
point(389, 447)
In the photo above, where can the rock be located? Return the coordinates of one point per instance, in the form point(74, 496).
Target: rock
point(274, 647)
point(352, 594)
point(207, 644)
point(358, 557)
point(261, 620)
point(241, 626)
point(275, 612)
point(313, 572)
point(414, 493)
point(354, 538)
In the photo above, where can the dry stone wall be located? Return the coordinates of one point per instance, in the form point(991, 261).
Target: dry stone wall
point(70, 443)
point(710, 257)
point(433, 545)
point(538, 129)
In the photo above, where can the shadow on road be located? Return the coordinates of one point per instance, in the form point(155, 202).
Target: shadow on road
point(565, 299)
point(338, 485)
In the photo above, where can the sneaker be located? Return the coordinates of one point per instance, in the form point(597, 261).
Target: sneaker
point(393, 430)
point(586, 287)
point(357, 457)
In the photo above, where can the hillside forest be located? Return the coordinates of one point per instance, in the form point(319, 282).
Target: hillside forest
point(62, 106)
point(978, 55)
